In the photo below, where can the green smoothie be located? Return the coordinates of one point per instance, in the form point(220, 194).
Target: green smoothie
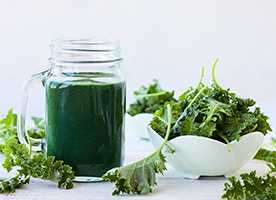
point(85, 124)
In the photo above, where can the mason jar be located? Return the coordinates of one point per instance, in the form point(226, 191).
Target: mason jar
point(85, 106)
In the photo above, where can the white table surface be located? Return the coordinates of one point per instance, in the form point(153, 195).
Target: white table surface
point(169, 186)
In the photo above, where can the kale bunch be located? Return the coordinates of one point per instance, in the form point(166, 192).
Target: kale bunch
point(148, 100)
point(212, 112)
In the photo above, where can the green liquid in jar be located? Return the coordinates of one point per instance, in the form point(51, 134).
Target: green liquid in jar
point(85, 124)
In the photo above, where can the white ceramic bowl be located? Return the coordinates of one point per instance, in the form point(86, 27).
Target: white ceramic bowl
point(200, 156)
point(138, 124)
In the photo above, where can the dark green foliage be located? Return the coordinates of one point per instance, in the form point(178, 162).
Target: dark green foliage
point(36, 165)
point(9, 185)
point(148, 100)
point(251, 186)
point(266, 155)
point(212, 112)
point(28, 163)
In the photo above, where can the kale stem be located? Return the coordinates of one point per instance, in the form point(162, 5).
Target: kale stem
point(30, 144)
point(197, 95)
point(41, 122)
point(199, 84)
point(202, 74)
point(167, 134)
point(169, 126)
point(184, 112)
point(225, 139)
point(166, 137)
point(254, 128)
point(213, 75)
point(162, 120)
point(209, 116)
point(267, 144)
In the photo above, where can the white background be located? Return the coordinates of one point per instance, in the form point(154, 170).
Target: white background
point(166, 40)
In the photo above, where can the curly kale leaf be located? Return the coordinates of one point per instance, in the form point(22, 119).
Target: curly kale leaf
point(159, 122)
point(251, 187)
point(212, 112)
point(9, 185)
point(139, 177)
point(148, 100)
point(8, 127)
point(29, 163)
point(262, 124)
point(38, 131)
point(37, 164)
point(266, 155)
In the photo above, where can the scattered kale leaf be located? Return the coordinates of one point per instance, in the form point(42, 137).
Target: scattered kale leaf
point(212, 112)
point(148, 100)
point(8, 127)
point(9, 185)
point(139, 177)
point(28, 163)
point(38, 131)
point(251, 187)
point(266, 155)
point(37, 165)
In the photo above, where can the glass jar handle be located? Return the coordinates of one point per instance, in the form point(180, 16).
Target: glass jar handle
point(22, 133)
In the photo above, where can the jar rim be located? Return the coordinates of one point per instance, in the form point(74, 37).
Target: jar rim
point(85, 50)
point(86, 44)
point(84, 63)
